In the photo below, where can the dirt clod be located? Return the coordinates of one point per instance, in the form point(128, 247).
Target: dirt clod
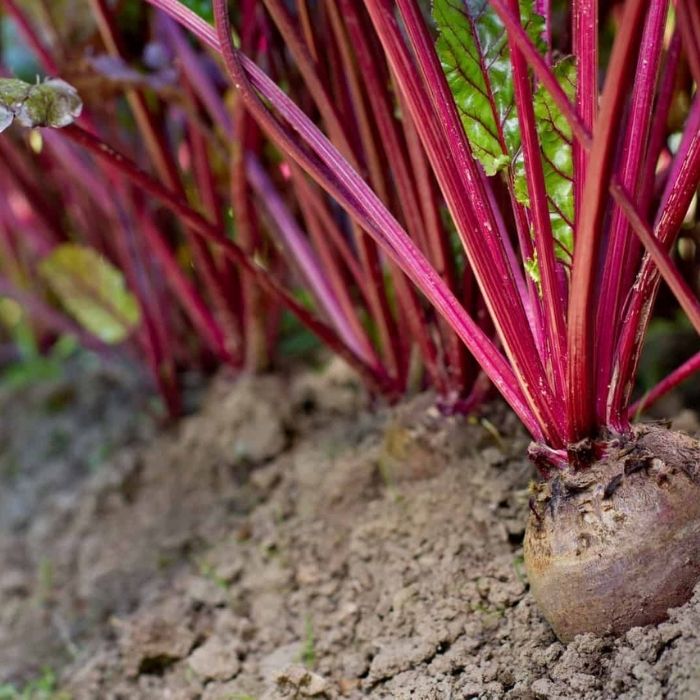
point(151, 643)
point(216, 659)
point(296, 681)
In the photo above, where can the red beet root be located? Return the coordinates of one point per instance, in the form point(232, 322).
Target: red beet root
point(615, 546)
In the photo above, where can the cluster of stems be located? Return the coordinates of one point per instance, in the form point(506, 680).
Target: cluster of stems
point(329, 132)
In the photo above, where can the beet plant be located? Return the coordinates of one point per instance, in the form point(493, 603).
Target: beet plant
point(567, 202)
point(457, 179)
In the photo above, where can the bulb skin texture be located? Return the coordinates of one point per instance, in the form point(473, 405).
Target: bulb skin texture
point(616, 545)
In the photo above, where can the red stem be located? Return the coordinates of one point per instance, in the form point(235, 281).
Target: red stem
point(682, 186)
point(622, 253)
point(462, 183)
point(303, 257)
point(208, 231)
point(411, 315)
point(436, 247)
point(184, 292)
point(673, 278)
point(361, 203)
point(659, 126)
point(581, 369)
point(544, 240)
point(584, 16)
point(165, 166)
point(688, 21)
point(332, 232)
point(324, 243)
point(686, 370)
point(371, 263)
point(305, 62)
point(257, 352)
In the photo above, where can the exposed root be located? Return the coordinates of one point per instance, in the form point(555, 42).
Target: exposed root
point(615, 546)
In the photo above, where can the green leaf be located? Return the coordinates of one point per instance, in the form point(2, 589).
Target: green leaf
point(555, 138)
point(532, 268)
point(473, 49)
point(52, 103)
point(557, 158)
point(92, 290)
point(202, 7)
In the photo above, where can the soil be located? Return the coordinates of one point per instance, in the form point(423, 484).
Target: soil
point(287, 542)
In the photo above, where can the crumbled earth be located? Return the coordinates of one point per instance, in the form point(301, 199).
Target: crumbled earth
point(287, 542)
point(56, 435)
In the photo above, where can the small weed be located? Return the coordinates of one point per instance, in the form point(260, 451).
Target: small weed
point(29, 372)
point(42, 688)
point(308, 653)
point(488, 611)
point(206, 570)
point(386, 473)
point(33, 368)
point(493, 431)
point(518, 564)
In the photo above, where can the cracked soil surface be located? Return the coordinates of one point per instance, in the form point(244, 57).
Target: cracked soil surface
point(285, 542)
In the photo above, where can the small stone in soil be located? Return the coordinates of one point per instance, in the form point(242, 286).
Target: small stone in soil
point(151, 643)
point(301, 682)
point(215, 660)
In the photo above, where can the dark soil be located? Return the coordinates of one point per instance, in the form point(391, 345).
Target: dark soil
point(285, 542)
